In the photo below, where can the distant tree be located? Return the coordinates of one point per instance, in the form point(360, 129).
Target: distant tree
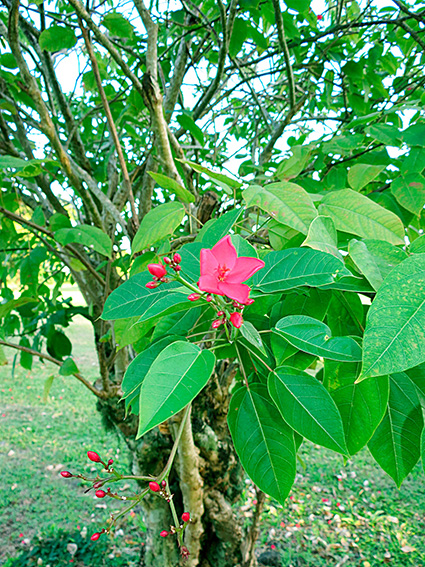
point(298, 132)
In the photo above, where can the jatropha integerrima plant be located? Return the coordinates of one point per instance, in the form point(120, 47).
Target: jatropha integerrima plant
point(158, 488)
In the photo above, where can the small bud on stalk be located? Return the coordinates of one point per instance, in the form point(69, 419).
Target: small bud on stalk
point(186, 517)
point(164, 533)
point(157, 270)
point(164, 483)
point(193, 297)
point(236, 319)
point(66, 474)
point(94, 457)
point(216, 324)
point(100, 493)
point(167, 260)
point(110, 462)
point(154, 486)
point(152, 285)
point(177, 258)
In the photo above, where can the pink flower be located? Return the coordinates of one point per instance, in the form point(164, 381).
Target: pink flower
point(222, 272)
point(157, 270)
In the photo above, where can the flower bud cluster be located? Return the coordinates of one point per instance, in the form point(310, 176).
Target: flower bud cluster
point(161, 490)
point(159, 271)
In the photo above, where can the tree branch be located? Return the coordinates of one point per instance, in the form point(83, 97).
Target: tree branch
point(77, 375)
point(284, 48)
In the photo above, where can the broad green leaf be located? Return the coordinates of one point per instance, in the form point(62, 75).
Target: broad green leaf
point(394, 338)
point(362, 406)
point(252, 335)
point(189, 124)
point(118, 25)
point(396, 444)
point(160, 222)
point(13, 162)
point(190, 263)
point(298, 5)
point(313, 336)
point(414, 135)
point(308, 407)
point(345, 314)
point(56, 38)
point(243, 247)
point(285, 202)
point(215, 229)
point(140, 263)
point(68, 367)
point(282, 236)
point(6, 308)
point(58, 345)
point(175, 378)
point(365, 262)
point(58, 221)
point(172, 185)
point(385, 133)
point(357, 214)
point(25, 358)
point(361, 174)
point(263, 441)
point(414, 162)
point(296, 267)
point(418, 245)
point(385, 255)
point(137, 370)
point(128, 331)
point(423, 449)
point(134, 299)
point(178, 323)
point(322, 236)
point(409, 190)
point(89, 236)
point(293, 166)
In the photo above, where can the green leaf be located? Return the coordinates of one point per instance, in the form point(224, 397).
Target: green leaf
point(365, 262)
point(137, 370)
point(409, 190)
point(263, 441)
point(293, 166)
point(58, 345)
point(215, 229)
point(362, 406)
point(6, 308)
point(414, 135)
point(308, 407)
point(25, 358)
point(56, 38)
point(385, 133)
point(418, 245)
point(357, 214)
point(175, 378)
point(394, 338)
point(89, 236)
point(296, 267)
point(118, 25)
point(282, 236)
point(396, 444)
point(362, 174)
point(189, 124)
point(159, 223)
point(252, 335)
point(285, 202)
point(178, 323)
point(13, 162)
point(313, 336)
point(232, 183)
point(172, 185)
point(322, 236)
point(68, 367)
point(58, 221)
point(298, 5)
point(47, 387)
point(134, 299)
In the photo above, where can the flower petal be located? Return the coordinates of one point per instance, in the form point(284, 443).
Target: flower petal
point(244, 268)
point(210, 284)
point(237, 291)
point(225, 252)
point(209, 264)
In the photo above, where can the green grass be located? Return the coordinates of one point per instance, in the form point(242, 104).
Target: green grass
point(360, 520)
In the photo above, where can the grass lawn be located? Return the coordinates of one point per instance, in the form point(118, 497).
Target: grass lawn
point(337, 515)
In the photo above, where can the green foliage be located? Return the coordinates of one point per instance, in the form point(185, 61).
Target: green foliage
point(158, 224)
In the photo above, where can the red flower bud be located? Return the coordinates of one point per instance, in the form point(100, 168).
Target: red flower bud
point(164, 533)
point(249, 302)
point(66, 474)
point(164, 483)
point(177, 258)
point(157, 270)
point(154, 486)
point(320, 17)
point(95, 536)
point(209, 298)
point(236, 319)
point(193, 297)
point(220, 313)
point(152, 285)
point(167, 260)
point(185, 516)
point(93, 456)
point(100, 493)
point(215, 324)
point(110, 462)
point(177, 268)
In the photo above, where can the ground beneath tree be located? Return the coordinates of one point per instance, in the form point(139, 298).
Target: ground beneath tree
point(337, 515)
